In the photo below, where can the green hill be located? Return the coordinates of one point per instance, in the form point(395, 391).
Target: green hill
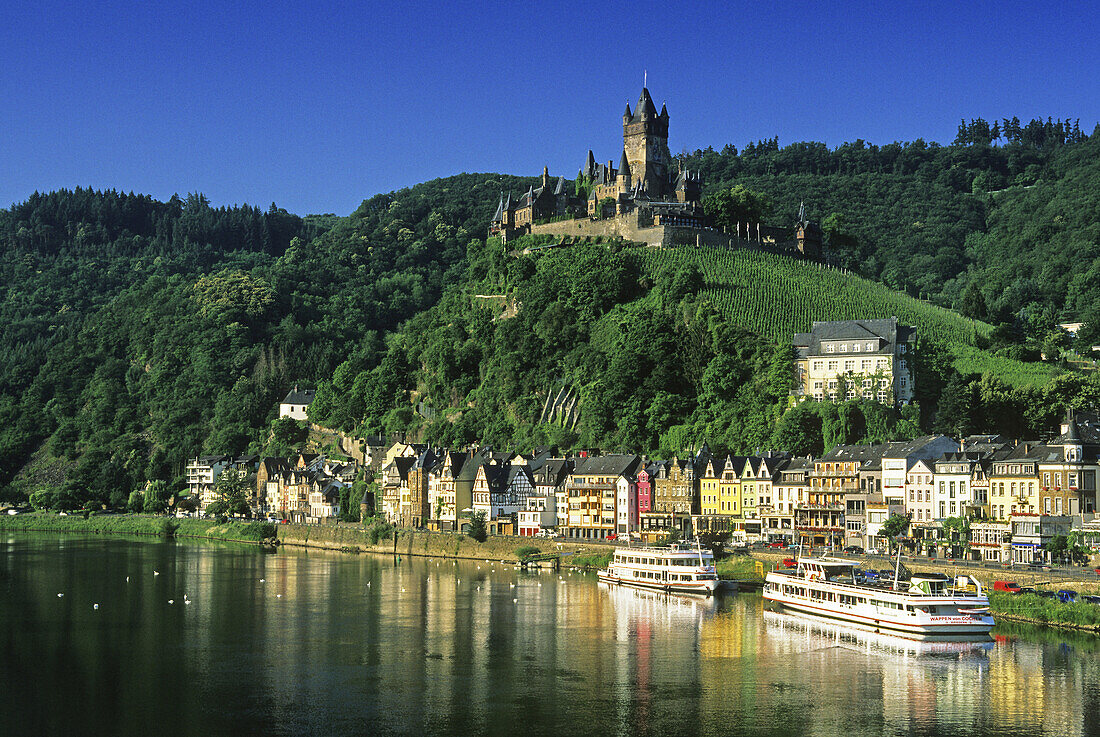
point(777, 296)
point(137, 333)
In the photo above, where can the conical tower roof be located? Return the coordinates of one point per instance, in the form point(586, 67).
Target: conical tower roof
point(645, 108)
point(624, 166)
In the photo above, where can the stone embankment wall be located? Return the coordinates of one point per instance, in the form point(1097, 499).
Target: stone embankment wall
point(426, 544)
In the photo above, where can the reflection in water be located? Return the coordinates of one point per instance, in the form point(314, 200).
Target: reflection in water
point(299, 642)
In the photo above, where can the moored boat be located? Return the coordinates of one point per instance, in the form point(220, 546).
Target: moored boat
point(924, 606)
point(681, 568)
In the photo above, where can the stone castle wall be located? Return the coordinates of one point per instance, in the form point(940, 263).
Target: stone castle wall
point(632, 228)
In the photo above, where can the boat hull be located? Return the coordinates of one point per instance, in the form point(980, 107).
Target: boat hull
point(704, 588)
point(877, 611)
point(917, 631)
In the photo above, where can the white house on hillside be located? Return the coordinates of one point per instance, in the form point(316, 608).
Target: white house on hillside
point(296, 403)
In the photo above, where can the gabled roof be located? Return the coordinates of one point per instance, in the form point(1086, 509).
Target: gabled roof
point(554, 471)
point(524, 471)
point(886, 331)
point(299, 396)
point(857, 453)
point(922, 447)
point(609, 465)
point(496, 476)
point(402, 464)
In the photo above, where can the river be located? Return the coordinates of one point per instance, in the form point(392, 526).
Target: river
point(194, 638)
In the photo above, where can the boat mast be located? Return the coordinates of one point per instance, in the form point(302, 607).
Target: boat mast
point(897, 568)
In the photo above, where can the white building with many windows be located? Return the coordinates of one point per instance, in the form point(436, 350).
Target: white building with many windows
point(851, 359)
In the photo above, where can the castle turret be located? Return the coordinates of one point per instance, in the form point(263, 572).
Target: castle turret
point(545, 175)
point(624, 173)
point(627, 115)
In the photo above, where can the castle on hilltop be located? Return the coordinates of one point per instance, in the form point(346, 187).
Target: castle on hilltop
point(642, 200)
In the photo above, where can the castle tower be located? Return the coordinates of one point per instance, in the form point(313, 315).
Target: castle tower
point(623, 177)
point(645, 140)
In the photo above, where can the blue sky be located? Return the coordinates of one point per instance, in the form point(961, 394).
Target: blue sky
point(317, 107)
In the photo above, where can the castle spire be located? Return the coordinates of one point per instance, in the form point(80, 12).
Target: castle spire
point(624, 166)
point(645, 107)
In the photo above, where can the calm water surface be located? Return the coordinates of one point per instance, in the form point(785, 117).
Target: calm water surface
point(329, 644)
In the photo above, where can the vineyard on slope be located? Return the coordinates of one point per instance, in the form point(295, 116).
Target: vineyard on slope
point(779, 296)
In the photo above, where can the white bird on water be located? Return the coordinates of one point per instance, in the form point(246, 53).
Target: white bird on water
point(60, 595)
point(171, 601)
point(156, 573)
point(95, 606)
point(263, 580)
point(127, 579)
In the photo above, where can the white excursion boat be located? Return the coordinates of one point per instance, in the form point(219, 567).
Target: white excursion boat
point(926, 606)
point(685, 568)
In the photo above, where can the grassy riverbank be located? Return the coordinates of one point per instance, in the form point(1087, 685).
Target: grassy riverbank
point(138, 524)
point(738, 568)
point(590, 558)
point(1032, 608)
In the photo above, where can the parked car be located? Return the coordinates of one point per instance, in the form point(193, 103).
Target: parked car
point(776, 545)
point(1026, 590)
point(1010, 587)
point(871, 575)
point(854, 550)
point(790, 562)
point(1091, 599)
point(1067, 596)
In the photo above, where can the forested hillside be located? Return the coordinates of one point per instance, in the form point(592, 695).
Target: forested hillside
point(137, 333)
point(1008, 208)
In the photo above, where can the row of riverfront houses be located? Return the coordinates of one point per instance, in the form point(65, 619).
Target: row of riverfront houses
point(1016, 494)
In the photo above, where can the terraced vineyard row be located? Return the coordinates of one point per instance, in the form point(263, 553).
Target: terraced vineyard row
point(779, 296)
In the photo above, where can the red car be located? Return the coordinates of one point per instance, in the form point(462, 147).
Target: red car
point(779, 546)
point(790, 562)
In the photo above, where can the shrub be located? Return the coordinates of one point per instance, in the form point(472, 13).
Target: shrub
point(527, 551)
point(168, 526)
point(478, 530)
point(378, 529)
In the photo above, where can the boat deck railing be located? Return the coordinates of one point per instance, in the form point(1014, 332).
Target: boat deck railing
point(884, 586)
